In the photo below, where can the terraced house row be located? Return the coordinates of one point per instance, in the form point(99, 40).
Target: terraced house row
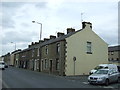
point(74, 53)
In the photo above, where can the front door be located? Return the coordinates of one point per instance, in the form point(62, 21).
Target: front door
point(50, 65)
point(42, 66)
point(35, 65)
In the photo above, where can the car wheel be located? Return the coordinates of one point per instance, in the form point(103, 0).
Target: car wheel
point(107, 82)
point(118, 80)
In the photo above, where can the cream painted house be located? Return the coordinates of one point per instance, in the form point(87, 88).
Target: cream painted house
point(84, 50)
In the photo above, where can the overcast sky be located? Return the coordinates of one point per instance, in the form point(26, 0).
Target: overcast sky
point(56, 16)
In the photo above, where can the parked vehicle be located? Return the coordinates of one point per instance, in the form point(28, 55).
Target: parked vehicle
point(119, 71)
point(6, 66)
point(118, 68)
point(2, 65)
point(104, 76)
point(103, 66)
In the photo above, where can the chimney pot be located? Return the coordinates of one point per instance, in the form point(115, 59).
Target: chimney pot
point(84, 24)
point(60, 34)
point(70, 30)
point(52, 37)
point(41, 41)
point(32, 43)
point(29, 46)
point(46, 39)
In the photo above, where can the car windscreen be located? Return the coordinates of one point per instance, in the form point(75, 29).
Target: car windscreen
point(98, 67)
point(101, 72)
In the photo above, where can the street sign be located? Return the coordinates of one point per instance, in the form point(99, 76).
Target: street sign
point(74, 58)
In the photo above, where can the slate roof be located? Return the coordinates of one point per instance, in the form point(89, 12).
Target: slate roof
point(51, 41)
point(59, 38)
point(114, 48)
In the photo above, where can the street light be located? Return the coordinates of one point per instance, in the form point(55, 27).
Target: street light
point(40, 28)
point(40, 39)
point(15, 44)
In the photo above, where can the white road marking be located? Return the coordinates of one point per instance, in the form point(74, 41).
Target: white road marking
point(85, 82)
point(6, 86)
point(108, 87)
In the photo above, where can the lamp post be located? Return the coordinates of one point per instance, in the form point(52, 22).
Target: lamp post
point(39, 47)
point(15, 44)
point(40, 28)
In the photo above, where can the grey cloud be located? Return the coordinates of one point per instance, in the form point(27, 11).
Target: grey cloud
point(8, 11)
point(25, 25)
point(111, 40)
point(41, 5)
point(7, 22)
point(12, 4)
point(15, 36)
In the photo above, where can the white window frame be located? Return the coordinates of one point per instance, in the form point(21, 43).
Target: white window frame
point(57, 64)
point(38, 52)
point(58, 48)
point(89, 47)
point(46, 49)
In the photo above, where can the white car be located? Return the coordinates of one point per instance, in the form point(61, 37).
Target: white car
point(104, 76)
point(2, 65)
point(103, 66)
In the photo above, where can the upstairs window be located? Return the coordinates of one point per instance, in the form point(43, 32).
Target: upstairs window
point(33, 51)
point(38, 52)
point(89, 47)
point(112, 52)
point(46, 49)
point(58, 48)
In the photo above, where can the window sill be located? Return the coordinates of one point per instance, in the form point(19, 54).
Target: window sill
point(89, 52)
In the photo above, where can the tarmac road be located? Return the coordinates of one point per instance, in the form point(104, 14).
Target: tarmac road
point(20, 78)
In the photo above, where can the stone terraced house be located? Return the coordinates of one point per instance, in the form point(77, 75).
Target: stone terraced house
point(74, 53)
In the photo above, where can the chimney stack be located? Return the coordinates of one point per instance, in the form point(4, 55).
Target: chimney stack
point(32, 43)
point(60, 34)
point(46, 39)
point(41, 41)
point(36, 42)
point(70, 30)
point(29, 46)
point(52, 37)
point(84, 24)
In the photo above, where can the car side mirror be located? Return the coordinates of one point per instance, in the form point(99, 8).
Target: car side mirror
point(110, 74)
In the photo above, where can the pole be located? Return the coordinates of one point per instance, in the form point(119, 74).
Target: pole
point(40, 31)
point(74, 60)
point(74, 68)
point(81, 17)
point(15, 46)
point(40, 46)
point(40, 28)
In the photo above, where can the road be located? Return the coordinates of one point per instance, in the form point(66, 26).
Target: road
point(20, 78)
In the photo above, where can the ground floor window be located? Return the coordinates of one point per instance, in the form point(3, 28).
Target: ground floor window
point(37, 64)
point(46, 64)
point(57, 64)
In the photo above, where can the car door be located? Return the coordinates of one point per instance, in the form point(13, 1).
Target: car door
point(115, 74)
point(111, 76)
